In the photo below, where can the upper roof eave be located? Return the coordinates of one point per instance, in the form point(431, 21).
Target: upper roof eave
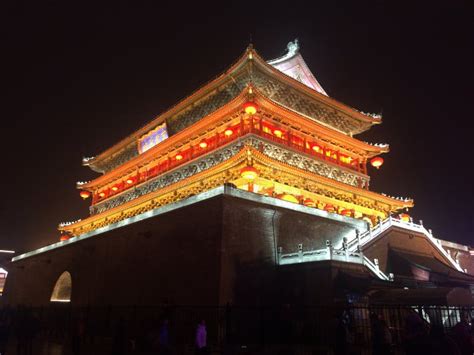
point(232, 106)
point(249, 55)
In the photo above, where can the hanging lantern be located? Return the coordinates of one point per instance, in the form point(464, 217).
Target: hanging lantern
point(129, 181)
point(329, 208)
point(203, 144)
point(250, 107)
point(277, 132)
point(309, 202)
point(376, 162)
point(178, 156)
point(228, 132)
point(64, 237)
point(317, 148)
point(405, 217)
point(346, 212)
point(289, 198)
point(84, 194)
point(249, 173)
point(102, 194)
point(114, 188)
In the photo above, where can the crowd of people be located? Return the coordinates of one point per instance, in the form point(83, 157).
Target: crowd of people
point(159, 335)
point(417, 336)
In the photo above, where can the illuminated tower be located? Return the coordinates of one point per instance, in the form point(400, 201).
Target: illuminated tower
point(265, 127)
point(244, 191)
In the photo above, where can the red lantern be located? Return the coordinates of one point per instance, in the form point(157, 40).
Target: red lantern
point(346, 212)
point(376, 162)
point(250, 107)
point(178, 156)
point(129, 181)
point(329, 208)
point(114, 188)
point(203, 144)
point(404, 217)
point(277, 132)
point(317, 148)
point(84, 194)
point(64, 237)
point(102, 194)
point(249, 173)
point(309, 202)
point(228, 132)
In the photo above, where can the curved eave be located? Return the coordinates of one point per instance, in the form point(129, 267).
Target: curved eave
point(184, 135)
point(315, 94)
point(250, 56)
point(293, 59)
point(234, 161)
point(231, 107)
point(321, 128)
point(197, 95)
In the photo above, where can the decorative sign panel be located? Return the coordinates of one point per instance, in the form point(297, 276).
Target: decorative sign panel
point(152, 138)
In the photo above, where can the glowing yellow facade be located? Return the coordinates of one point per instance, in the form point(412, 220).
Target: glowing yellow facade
point(255, 127)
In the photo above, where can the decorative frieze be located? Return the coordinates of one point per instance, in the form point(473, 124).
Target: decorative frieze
point(269, 149)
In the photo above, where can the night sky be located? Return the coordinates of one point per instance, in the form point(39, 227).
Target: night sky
point(80, 76)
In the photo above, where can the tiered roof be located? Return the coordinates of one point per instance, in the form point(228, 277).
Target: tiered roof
point(303, 95)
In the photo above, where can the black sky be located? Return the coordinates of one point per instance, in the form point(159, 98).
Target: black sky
point(80, 76)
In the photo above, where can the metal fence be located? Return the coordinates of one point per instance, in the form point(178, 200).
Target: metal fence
point(243, 329)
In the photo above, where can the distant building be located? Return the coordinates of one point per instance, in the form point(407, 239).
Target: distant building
point(252, 190)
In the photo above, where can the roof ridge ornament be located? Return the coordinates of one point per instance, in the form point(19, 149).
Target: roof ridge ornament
point(293, 47)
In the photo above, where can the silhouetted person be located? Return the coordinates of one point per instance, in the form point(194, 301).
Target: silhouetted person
point(164, 338)
point(440, 343)
point(343, 334)
point(5, 325)
point(201, 338)
point(119, 342)
point(77, 336)
point(462, 335)
point(416, 335)
point(381, 336)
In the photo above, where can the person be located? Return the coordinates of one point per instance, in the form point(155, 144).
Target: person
point(440, 343)
point(381, 336)
point(201, 338)
point(416, 334)
point(462, 335)
point(163, 338)
point(119, 341)
point(77, 338)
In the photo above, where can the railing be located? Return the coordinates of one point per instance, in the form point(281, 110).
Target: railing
point(329, 253)
point(275, 329)
point(320, 255)
point(373, 233)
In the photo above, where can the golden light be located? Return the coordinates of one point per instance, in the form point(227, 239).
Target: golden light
point(289, 198)
point(114, 188)
point(129, 181)
point(178, 156)
point(250, 107)
point(316, 148)
point(228, 132)
point(309, 202)
point(405, 217)
point(249, 173)
point(376, 162)
point(346, 212)
point(329, 208)
point(203, 144)
point(102, 194)
point(84, 194)
point(277, 132)
point(64, 237)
